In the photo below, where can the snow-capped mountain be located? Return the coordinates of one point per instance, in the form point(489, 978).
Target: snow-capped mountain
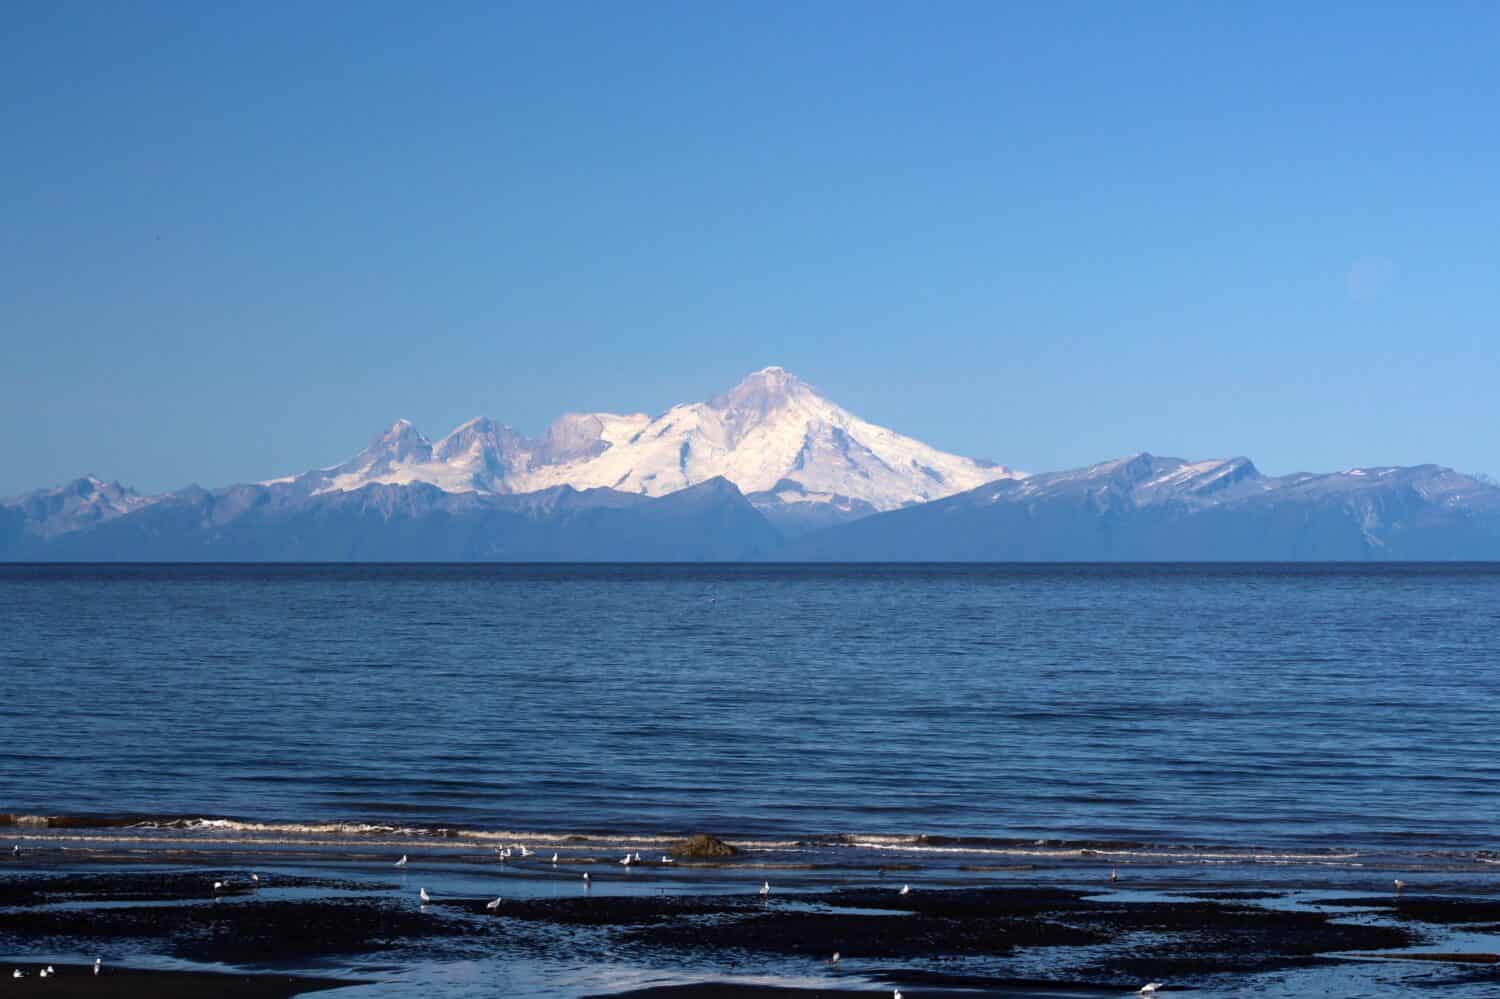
point(1149, 508)
point(768, 470)
point(1138, 508)
point(798, 456)
point(81, 503)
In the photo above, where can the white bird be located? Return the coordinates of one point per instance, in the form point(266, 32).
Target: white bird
point(554, 858)
point(42, 973)
point(765, 889)
point(897, 995)
point(219, 886)
point(667, 860)
point(15, 851)
point(402, 861)
point(422, 894)
point(255, 878)
point(51, 970)
point(525, 852)
point(834, 960)
point(492, 906)
point(97, 962)
point(906, 889)
point(637, 856)
point(585, 875)
point(627, 861)
point(1114, 874)
point(1148, 989)
point(18, 973)
point(1399, 885)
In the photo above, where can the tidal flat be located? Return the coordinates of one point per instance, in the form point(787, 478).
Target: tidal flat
point(287, 922)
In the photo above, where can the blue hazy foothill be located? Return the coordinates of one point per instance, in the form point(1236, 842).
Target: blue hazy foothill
point(1143, 508)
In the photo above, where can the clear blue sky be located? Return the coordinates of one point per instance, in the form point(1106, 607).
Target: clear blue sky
point(235, 243)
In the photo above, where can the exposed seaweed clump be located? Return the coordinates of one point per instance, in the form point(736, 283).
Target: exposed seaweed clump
point(703, 845)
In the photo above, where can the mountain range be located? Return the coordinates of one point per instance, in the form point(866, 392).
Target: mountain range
point(768, 470)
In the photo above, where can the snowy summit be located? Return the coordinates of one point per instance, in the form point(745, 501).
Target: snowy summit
point(798, 456)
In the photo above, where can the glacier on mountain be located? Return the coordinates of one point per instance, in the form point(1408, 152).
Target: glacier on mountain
point(797, 455)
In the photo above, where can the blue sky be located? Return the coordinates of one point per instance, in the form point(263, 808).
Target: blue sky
point(237, 243)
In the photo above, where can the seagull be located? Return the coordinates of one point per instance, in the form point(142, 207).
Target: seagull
point(585, 875)
point(42, 973)
point(637, 856)
point(834, 960)
point(402, 861)
point(1399, 885)
point(765, 889)
point(422, 894)
point(627, 861)
point(1114, 874)
point(18, 973)
point(554, 858)
point(15, 851)
point(897, 995)
point(667, 860)
point(97, 962)
point(219, 886)
point(1149, 989)
point(51, 970)
point(905, 890)
point(492, 906)
point(525, 852)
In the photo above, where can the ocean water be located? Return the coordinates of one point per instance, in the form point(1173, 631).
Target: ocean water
point(1288, 707)
point(1313, 730)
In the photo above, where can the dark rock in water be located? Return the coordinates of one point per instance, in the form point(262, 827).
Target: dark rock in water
point(1426, 909)
point(703, 845)
point(816, 934)
point(245, 931)
point(1140, 941)
point(1465, 958)
point(153, 886)
point(118, 982)
point(609, 910)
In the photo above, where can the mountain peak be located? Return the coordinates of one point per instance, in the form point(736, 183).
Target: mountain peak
point(479, 439)
point(92, 486)
point(401, 428)
point(774, 379)
point(479, 424)
point(760, 393)
point(401, 441)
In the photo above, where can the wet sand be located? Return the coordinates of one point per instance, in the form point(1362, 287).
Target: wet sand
point(80, 980)
point(980, 940)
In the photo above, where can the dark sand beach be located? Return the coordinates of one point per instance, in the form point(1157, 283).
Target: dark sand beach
point(80, 980)
point(291, 934)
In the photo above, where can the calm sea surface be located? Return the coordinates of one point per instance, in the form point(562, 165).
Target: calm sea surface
point(1282, 706)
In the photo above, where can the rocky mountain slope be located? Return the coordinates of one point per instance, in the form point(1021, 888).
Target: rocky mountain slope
point(1148, 508)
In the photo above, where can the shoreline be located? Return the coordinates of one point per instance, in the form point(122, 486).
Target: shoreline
point(700, 930)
